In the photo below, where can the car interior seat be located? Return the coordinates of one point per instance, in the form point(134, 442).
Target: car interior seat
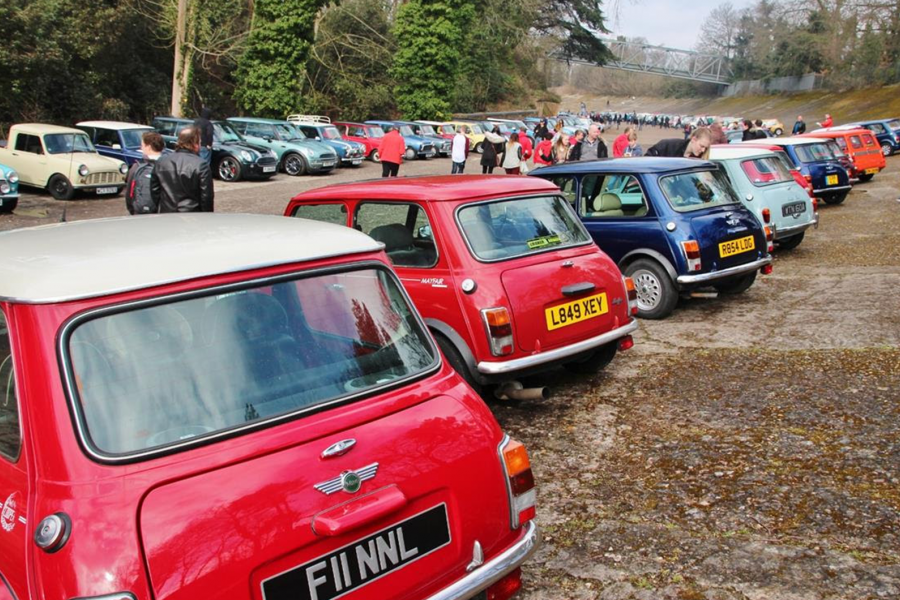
point(401, 246)
point(608, 204)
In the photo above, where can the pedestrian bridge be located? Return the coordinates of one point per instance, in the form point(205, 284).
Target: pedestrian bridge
point(640, 57)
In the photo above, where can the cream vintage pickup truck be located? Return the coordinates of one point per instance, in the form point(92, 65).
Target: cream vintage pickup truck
point(61, 160)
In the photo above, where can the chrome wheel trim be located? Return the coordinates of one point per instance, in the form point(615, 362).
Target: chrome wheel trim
point(886, 149)
point(228, 169)
point(293, 165)
point(649, 290)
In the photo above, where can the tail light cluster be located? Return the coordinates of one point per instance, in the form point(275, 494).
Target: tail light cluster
point(631, 295)
point(815, 204)
point(770, 240)
point(767, 215)
point(507, 587)
point(499, 330)
point(519, 482)
point(691, 251)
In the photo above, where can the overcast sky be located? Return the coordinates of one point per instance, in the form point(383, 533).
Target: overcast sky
point(663, 22)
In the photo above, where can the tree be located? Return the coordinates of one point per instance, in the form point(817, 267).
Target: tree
point(576, 23)
point(719, 32)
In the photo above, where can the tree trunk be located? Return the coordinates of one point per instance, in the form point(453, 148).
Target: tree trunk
point(181, 68)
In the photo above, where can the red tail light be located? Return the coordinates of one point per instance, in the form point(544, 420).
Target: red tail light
point(626, 343)
point(808, 178)
point(767, 215)
point(691, 251)
point(631, 294)
point(766, 270)
point(519, 482)
point(770, 239)
point(507, 587)
point(499, 330)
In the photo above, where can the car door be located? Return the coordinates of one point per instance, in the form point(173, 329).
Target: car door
point(29, 159)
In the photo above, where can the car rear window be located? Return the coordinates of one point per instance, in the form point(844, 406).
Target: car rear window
point(766, 171)
point(511, 228)
point(868, 139)
point(168, 374)
point(698, 190)
point(855, 141)
point(894, 124)
point(808, 153)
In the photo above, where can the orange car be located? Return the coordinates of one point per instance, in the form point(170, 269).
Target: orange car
point(859, 145)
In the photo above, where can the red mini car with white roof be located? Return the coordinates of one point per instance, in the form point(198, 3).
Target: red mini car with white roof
point(508, 279)
point(239, 407)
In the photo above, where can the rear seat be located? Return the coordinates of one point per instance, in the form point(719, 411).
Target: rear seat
point(401, 246)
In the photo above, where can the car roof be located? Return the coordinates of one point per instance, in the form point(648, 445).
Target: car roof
point(794, 141)
point(728, 152)
point(88, 259)
point(112, 125)
point(260, 120)
point(432, 123)
point(42, 128)
point(839, 130)
point(643, 164)
point(435, 188)
point(354, 123)
point(171, 118)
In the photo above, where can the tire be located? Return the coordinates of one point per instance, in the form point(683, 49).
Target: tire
point(60, 188)
point(778, 132)
point(294, 165)
point(596, 362)
point(657, 295)
point(410, 154)
point(836, 199)
point(9, 206)
point(456, 361)
point(886, 149)
point(791, 242)
point(479, 147)
point(737, 285)
point(229, 169)
point(866, 177)
point(375, 156)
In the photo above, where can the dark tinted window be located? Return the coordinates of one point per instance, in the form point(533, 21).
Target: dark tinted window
point(106, 137)
point(10, 437)
point(29, 143)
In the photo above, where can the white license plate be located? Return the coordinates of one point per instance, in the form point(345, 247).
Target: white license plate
point(268, 169)
point(328, 163)
point(106, 190)
point(356, 162)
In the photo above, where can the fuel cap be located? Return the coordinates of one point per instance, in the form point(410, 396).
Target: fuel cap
point(53, 532)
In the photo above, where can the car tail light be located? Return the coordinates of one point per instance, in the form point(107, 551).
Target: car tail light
point(507, 587)
point(631, 294)
point(767, 269)
point(519, 481)
point(808, 178)
point(499, 330)
point(626, 343)
point(815, 204)
point(691, 251)
point(767, 215)
point(770, 239)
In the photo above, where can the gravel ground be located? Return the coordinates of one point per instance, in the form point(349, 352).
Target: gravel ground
point(745, 449)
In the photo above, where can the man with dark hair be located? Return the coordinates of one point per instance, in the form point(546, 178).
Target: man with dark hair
point(182, 181)
point(138, 199)
point(799, 126)
point(696, 146)
point(205, 127)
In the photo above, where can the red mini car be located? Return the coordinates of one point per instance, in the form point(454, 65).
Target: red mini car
point(239, 407)
point(507, 278)
point(364, 133)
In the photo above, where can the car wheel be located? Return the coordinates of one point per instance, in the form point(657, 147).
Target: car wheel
point(229, 169)
point(479, 147)
point(836, 198)
point(9, 206)
point(456, 361)
point(375, 156)
point(736, 285)
point(656, 293)
point(60, 187)
point(866, 177)
point(887, 149)
point(294, 165)
point(597, 361)
point(409, 154)
point(791, 242)
point(778, 131)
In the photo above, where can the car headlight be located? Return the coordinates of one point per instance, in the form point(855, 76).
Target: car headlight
point(5, 188)
point(246, 156)
point(123, 169)
point(83, 170)
point(13, 177)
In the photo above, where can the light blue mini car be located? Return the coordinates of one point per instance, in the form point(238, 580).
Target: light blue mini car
point(767, 188)
point(9, 189)
point(296, 154)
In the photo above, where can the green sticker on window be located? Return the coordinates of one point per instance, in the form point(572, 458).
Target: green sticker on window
point(543, 242)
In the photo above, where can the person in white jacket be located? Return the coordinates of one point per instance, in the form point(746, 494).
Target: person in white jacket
point(459, 151)
point(512, 155)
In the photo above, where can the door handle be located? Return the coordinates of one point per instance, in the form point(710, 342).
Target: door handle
point(360, 511)
point(578, 288)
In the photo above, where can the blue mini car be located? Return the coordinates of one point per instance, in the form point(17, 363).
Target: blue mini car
point(820, 166)
point(887, 132)
point(416, 145)
point(671, 224)
point(116, 139)
point(321, 130)
point(9, 189)
point(442, 146)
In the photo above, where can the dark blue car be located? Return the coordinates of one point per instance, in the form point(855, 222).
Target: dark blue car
point(671, 224)
point(818, 161)
point(116, 139)
point(887, 132)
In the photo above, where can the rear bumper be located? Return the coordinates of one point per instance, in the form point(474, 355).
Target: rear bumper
point(536, 360)
point(786, 232)
point(492, 571)
point(724, 273)
point(831, 190)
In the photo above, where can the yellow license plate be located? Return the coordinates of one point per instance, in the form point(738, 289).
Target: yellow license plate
point(831, 180)
point(576, 312)
point(872, 171)
point(733, 247)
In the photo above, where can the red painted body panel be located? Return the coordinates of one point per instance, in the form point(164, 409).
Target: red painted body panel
point(370, 143)
point(859, 144)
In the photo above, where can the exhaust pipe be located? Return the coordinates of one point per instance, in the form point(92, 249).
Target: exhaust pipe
point(514, 390)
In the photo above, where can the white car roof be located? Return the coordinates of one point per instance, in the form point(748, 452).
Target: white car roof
point(88, 259)
point(432, 123)
point(792, 141)
point(727, 153)
point(113, 125)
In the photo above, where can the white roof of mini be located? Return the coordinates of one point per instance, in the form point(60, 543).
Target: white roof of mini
point(730, 152)
point(113, 125)
point(87, 259)
point(44, 128)
point(791, 141)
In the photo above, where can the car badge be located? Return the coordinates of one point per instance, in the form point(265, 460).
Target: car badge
point(339, 448)
point(732, 220)
point(616, 301)
point(349, 481)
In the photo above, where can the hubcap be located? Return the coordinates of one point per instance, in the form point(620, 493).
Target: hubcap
point(649, 290)
point(227, 169)
point(886, 150)
point(292, 166)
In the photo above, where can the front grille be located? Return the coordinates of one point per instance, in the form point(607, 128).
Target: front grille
point(267, 161)
point(101, 178)
point(427, 147)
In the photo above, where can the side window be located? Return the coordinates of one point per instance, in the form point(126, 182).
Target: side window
point(310, 132)
point(612, 196)
point(241, 127)
point(164, 127)
point(10, 438)
point(357, 131)
point(404, 229)
point(29, 143)
point(877, 128)
point(327, 213)
point(260, 130)
point(106, 137)
point(568, 186)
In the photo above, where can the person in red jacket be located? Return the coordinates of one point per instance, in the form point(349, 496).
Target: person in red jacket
point(828, 122)
point(621, 144)
point(543, 152)
point(391, 151)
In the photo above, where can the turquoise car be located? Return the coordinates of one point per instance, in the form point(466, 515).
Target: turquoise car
point(9, 189)
point(767, 188)
point(296, 154)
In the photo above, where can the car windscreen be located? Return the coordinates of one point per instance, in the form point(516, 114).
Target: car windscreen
point(446, 129)
point(286, 132)
point(766, 171)
point(132, 137)
point(894, 124)
point(475, 128)
point(698, 190)
point(809, 153)
point(426, 130)
point(516, 227)
point(406, 130)
point(63, 143)
point(375, 132)
point(163, 374)
point(225, 133)
point(331, 133)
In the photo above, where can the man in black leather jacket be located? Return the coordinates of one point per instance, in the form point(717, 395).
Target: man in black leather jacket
point(182, 181)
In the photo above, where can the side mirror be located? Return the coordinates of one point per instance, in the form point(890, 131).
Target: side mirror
point(318, 138)
point(425, 232)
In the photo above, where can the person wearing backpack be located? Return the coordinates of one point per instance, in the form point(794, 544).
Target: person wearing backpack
point(138, 199)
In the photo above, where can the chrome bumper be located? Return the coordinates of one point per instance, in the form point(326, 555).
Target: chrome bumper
point(786, 232)
point(724, 273)
point(492, 571)
point(832, 189)
point(509, 366)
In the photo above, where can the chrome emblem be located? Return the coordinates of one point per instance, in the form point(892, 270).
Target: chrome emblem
point(616, 301)
point(339, 448)
point(568, 264)
point(349, 481)
point(732, 220)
